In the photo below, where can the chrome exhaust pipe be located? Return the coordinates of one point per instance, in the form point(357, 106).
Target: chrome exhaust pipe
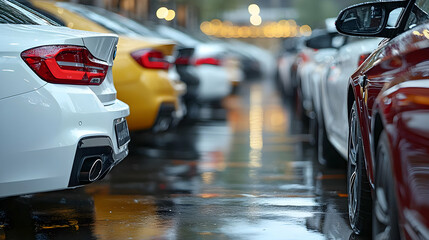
point(91, 170)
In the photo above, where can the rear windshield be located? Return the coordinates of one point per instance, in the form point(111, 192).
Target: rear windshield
point(12, 12)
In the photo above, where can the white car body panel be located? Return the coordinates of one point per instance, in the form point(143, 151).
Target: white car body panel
point(17, 38)
point(215, 81)
point(334, 91)
point(318, 73)
point(42, 123)
point(307, 71)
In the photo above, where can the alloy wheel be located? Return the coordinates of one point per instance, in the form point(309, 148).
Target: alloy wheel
point(385, 223)
point(353, 181)
point(358, 188)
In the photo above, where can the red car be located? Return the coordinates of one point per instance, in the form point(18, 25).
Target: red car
point(388, 105)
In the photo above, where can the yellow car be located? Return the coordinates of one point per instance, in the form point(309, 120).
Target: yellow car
point(140, 71)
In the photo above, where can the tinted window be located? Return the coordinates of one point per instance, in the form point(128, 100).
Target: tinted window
point(423, 5)
point(419, 14)
point(12, 12)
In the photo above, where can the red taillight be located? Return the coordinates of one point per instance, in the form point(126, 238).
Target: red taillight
point(152, 59)
point(66, 65)
point(210, 61)
point(362, 58)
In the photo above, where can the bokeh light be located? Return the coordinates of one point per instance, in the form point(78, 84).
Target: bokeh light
point(280, 29)
point(254, 9)
point(255, 20)
point(305, 30)
point(170, 15)
point(162, 12)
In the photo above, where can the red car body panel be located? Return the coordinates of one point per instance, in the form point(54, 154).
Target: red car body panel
point(397, 92)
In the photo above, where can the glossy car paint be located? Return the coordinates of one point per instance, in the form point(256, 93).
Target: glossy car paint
point(42, 122)
point(333, 90)
point(314, 51)
point(404, 111)
point(215, 82)
point(144, 90)
point(394, 98)
point(305, 67)
point(317, 75)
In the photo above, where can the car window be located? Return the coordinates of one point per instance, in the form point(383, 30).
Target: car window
point(12, 12)
point(419, 14)
point(423, 5)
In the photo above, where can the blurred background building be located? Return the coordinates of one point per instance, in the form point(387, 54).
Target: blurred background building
point(190, 14)
point(309, 12)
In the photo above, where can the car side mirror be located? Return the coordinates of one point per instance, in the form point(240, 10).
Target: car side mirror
point(325, 40)
point(370, 19)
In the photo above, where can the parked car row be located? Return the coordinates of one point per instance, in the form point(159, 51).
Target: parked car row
point(67, 109)
point(368, 98)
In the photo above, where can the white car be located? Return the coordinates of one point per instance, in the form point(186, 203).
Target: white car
point(208, 65)
point(61, 124)
point(333, 125)
point(308, 81)
point(322, 45)
point(285, 60)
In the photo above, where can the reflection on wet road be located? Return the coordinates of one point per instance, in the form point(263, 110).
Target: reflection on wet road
point(243, 173)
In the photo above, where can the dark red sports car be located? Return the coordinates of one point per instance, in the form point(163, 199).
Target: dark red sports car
point(388, 105)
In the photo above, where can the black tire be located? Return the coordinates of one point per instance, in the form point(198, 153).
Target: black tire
point(358, 187)
point(385, 213)
point(327, 155)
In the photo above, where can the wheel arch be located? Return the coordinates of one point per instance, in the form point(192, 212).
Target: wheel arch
point(377, 128)
point(350, 99)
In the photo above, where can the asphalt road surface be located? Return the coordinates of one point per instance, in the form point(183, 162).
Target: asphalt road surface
point(244, 172)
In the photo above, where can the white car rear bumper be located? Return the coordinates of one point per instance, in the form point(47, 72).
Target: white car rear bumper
point(41, 131)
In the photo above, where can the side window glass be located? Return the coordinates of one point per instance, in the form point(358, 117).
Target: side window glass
point(423, 6)
point(419, 14)
point(412, 21)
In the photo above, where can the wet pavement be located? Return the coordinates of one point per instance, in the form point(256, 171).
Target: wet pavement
point(247, 172)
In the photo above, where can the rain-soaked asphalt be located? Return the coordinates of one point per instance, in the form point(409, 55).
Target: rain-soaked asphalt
point(247, 172)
